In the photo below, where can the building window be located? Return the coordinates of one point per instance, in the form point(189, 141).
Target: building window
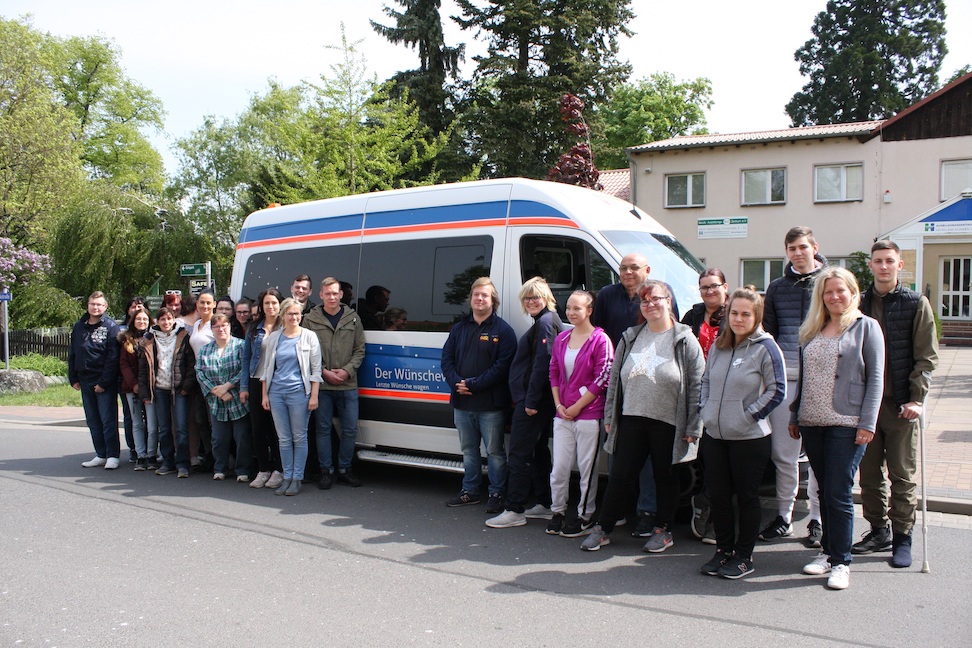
point(956, 177)
point(760, 272)
point(764, 187)
point(685, 190)
point(838, 182)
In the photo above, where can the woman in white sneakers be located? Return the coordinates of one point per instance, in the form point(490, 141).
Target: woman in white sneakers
point(580, 367)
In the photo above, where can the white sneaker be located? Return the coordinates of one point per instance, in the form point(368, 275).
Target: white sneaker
point(507, 519)
point(819, 566)
point(94, 462)
point(260, 480)
point(839, 577)
point(276, 478)
point(242, 478)
point(538, 512)
point(219, 476)
point(111, 463)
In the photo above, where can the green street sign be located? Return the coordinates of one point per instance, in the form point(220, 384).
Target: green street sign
point(192, 270)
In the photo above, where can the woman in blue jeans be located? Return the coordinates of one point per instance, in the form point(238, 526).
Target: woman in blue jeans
point(291, 379)
point(166, 375)
point(835, 411)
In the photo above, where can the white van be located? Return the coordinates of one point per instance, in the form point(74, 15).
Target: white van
point(426, 246)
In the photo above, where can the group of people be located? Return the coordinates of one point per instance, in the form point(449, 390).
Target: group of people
point(740, 381)
point(212, 385)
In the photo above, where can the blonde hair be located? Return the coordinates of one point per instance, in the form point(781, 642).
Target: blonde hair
point(727, 337)
point(538, 286)
point(817, 316)
point(286, 304)
point(486, 281)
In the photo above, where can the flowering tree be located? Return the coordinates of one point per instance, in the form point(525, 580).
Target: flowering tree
point(18, 264)
point(577, 166)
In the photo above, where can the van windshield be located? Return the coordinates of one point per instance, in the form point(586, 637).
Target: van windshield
point(670, 261)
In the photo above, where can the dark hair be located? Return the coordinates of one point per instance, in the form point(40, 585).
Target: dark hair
point(885, 244)
point(134, 300)
point(261, 317)
point(713, 272)
point(303, 277)
point(226, 298)
point(188, 305)
point(165, 310)
point(798, 232)
point(244, 300)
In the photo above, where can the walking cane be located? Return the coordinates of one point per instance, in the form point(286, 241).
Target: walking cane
point(925, 569)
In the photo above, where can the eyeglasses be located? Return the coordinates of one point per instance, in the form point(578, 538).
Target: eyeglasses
point(710, 288)
point(656, 300)
point(174, 292)
point(634, 267)
point(532, 298)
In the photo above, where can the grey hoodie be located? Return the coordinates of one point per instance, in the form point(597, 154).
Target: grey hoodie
point(741, 386)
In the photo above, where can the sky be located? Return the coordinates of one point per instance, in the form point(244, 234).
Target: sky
point(209, 57)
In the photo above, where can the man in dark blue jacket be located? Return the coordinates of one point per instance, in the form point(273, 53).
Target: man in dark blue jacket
point(93, 369)
point(476, 362)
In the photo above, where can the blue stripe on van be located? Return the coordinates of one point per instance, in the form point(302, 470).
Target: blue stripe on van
point(400, 218)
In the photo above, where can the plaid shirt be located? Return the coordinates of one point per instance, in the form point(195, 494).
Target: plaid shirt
point(213, 369)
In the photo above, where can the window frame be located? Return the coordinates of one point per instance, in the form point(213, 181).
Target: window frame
point(844, 166)
point(952, 163)
point(689, 189)
point(768, 171)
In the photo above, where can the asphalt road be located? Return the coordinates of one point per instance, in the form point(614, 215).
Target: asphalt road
point(90, 557)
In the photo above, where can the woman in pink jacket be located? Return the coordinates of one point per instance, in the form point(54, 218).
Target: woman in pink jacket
point(579, 370)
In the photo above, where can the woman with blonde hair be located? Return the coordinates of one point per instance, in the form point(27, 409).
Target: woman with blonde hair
point(840, 386)
point(528, 459)
point(744, 380)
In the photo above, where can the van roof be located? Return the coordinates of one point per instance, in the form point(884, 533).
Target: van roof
point(482, 203)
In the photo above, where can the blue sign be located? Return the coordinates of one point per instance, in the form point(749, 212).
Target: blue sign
point(5, 296)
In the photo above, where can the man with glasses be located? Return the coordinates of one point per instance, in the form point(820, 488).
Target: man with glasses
point(341, 335)
point(93, 370)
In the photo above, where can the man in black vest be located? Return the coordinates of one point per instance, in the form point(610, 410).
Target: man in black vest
point(912, 354)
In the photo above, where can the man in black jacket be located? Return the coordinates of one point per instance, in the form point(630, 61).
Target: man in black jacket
point(912, 354)
point(93, 370)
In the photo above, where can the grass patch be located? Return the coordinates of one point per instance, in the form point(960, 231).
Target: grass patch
point(53, 396)
point(47, 365)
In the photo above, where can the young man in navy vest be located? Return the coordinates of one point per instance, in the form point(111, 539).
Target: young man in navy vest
point(912, 354)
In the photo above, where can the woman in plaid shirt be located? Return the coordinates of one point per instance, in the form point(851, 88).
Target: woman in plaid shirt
point(218, 368)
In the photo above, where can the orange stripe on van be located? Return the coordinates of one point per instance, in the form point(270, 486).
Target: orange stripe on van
point(403, 395)
point(431, 227)
point(560, 222)
point(299, 239)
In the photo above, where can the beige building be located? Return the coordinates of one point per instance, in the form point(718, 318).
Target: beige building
point(731, 198)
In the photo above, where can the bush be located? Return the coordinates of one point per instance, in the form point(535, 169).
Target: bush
point(47, 365)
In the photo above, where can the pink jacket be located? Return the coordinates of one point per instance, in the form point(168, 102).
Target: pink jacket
point(591, 371)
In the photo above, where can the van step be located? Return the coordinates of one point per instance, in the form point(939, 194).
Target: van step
point(398, 459)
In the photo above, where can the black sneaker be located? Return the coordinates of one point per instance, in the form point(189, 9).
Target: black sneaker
point(716, 563)
point(576, 528)
point(645, 525)
point(347, 478)
point(874, 540)
point(814, 534)
point(324, 483)
point(737, 567)
point(494, 504)
point(556, 524)
point(777, 529)
point(700, 515)
point(464, 499)
point(165, 470)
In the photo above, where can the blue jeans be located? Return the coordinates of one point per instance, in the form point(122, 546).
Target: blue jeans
point(647, 494)
point(224, 433)
point(346, 404)
point(145, 429)
point(834, 458)
point(101, 415)
point(488, 428)
point(290, 417)
point(172, 413)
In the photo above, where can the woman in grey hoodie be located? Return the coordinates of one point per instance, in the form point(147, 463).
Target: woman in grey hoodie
point(744, 380)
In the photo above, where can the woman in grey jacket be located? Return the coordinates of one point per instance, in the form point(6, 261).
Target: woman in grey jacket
point(744, 380)
point(841, 381)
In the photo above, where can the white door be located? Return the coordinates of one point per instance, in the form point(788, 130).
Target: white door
point(956, 282)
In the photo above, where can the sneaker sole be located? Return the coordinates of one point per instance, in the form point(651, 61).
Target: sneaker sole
point(579, 534)
point(451, 505)
point(864, 552)
point(660, 549)
point(551, 532)
point(738, 575)
point(776, 537)
point(596, 547)
point(507, 526)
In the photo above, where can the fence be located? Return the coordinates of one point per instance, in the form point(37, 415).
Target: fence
point(45, 341)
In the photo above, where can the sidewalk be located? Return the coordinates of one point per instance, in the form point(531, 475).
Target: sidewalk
point(948, 433)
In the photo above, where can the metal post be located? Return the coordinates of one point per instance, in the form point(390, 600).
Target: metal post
point(6, 336)
point(924, 497)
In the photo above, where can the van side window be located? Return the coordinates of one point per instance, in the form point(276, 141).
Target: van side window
point(568, 264)
point(277, 269)
point(428, 279)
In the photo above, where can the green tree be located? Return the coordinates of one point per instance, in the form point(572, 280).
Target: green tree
point(538, 51)
point(112, 112)
point(650, 109)
point(40, 165)
point(869, 59)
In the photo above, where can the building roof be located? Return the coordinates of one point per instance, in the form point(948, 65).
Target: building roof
point(856, 129)
point(617, 182)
